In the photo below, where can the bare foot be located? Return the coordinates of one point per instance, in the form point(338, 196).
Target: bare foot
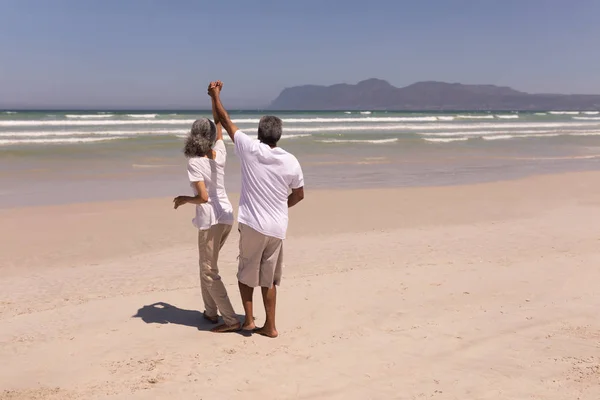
point(249, 326)
point(272, 333)
point(213, 320)
point(224, 328)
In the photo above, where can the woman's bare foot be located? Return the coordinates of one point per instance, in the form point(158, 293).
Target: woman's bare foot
point(272, 333)
point(248, 326)
point(224, 328)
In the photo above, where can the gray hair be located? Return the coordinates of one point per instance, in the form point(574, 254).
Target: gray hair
point(269, 130)
point(201, 138)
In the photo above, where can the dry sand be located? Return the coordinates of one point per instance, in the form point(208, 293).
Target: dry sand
point(486, 291)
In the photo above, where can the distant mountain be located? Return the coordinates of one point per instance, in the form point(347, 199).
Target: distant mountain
point(377, 94)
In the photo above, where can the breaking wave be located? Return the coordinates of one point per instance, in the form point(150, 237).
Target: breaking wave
point(88, 116)
point(6, 142)
point(475, 116)
point(446, 140)
point(374, 141)
point(142, 115)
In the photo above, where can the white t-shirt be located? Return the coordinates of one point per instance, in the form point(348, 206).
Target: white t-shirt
point(267, 176)
point(218, 209)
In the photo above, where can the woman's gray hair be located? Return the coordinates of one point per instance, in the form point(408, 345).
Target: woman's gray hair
point(201, 138)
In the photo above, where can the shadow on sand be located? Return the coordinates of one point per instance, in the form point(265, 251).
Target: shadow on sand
point(164, 313)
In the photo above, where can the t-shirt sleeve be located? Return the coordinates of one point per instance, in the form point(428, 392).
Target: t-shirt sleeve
point(242, 142)
point(194, 171)
point(220, 148)
point(297, 180)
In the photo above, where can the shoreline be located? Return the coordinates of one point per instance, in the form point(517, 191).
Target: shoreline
point(98, 232)
point(174, 183)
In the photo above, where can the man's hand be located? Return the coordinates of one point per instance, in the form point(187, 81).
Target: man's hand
point(214, 88)
point(218, 85)
point(219, 112)
point(179, 201)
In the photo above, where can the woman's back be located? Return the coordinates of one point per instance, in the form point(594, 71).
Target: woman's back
point(218, 209)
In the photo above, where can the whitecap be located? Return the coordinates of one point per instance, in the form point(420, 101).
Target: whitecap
point(475, 116)
point(284, 136)
point(56, 141)
point(345, 120)
point(374, 141)
point(505, 137)
point(88, 116)
point(142, 115)
point(446, 140)
point(24, 134)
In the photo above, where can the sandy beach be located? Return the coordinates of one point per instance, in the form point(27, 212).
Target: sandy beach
point(483, 291)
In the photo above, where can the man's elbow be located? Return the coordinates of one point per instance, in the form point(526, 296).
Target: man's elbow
point(204, 198)
point(229, 127)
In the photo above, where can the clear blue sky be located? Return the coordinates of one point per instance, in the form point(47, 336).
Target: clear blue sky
point(158, 53)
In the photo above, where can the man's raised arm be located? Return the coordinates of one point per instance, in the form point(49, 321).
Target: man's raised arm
point(217, 121)
point(214, 91)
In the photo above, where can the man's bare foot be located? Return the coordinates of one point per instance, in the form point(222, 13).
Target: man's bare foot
point(212, 320)
point(272, 333)
point(224, 328)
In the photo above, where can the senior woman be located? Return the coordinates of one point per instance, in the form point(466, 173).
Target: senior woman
point(207, 155)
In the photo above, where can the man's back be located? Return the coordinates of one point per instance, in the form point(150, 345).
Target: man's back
point(267, 175)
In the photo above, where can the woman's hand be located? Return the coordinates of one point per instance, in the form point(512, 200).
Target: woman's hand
point(179, 201)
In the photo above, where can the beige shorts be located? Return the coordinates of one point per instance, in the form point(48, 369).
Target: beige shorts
point(260, 260)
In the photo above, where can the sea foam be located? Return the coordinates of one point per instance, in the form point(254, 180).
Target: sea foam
point(21, 134)
point(505, 137)
point(142, 115)
point(475, 116)
point(89, 116)
point(57, 141)
point(361, 141)
point(446, 140)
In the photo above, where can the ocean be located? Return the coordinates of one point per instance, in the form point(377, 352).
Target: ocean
point(49, 157)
